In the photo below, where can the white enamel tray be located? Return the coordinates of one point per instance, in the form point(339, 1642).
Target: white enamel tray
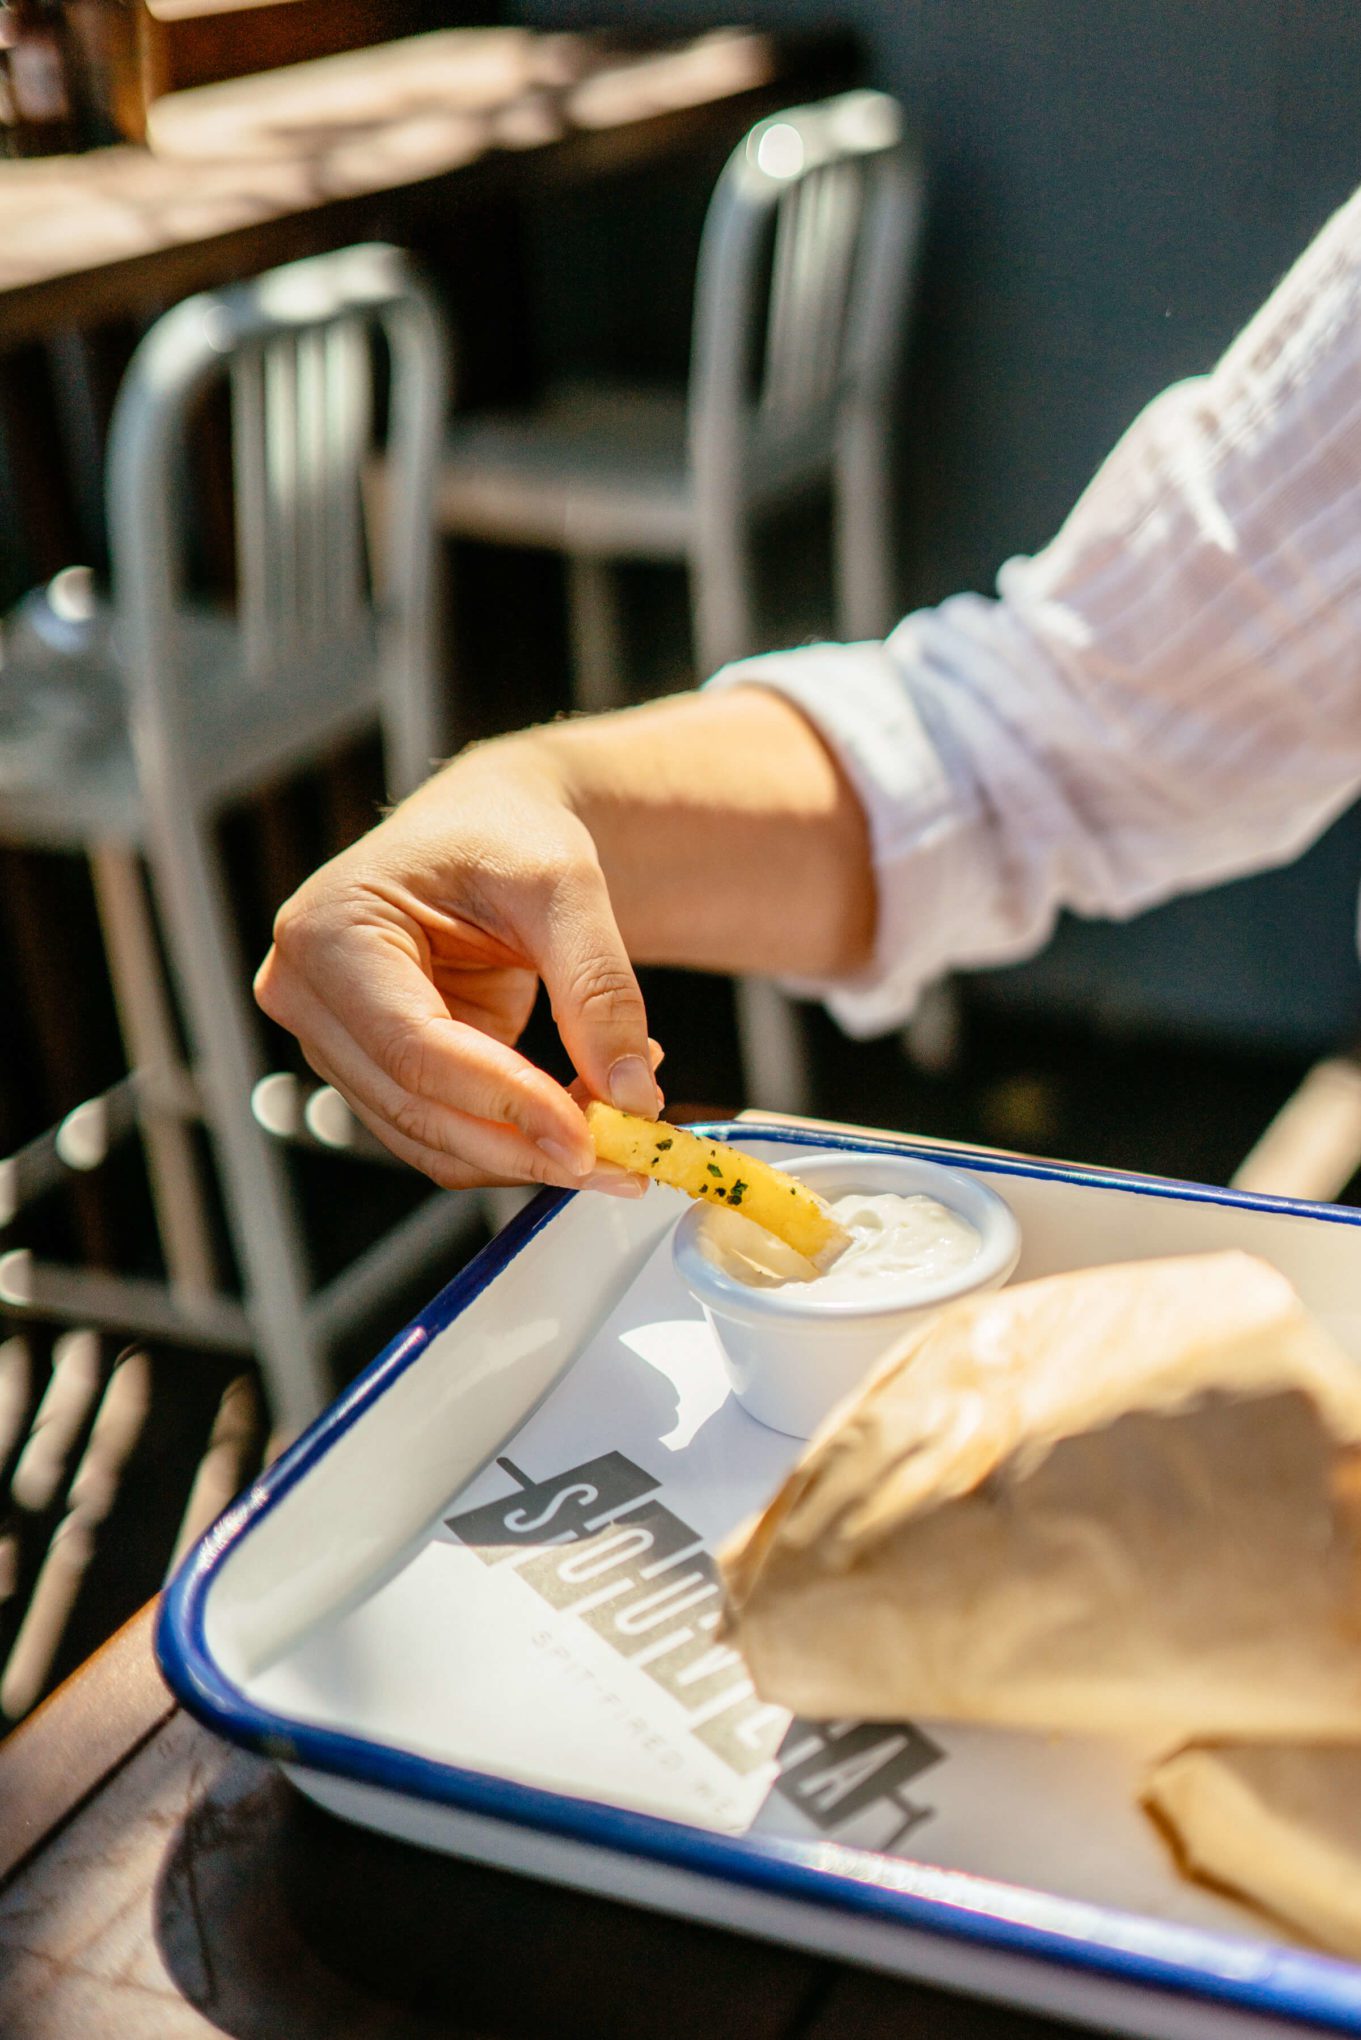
point(474, 1605)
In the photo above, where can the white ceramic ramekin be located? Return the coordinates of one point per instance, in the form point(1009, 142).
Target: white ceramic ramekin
point(790, 1356)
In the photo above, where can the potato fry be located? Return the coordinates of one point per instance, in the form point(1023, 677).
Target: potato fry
point(712, 1169)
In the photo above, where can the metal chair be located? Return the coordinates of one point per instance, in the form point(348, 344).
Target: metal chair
point(333, 629)
point(802, 291)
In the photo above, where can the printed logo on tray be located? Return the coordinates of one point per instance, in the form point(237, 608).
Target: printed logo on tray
point(596, 1544)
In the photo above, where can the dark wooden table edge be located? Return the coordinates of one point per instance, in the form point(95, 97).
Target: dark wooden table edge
point(54, 1762)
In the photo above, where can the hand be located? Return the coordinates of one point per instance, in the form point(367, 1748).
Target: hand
point(408, 967)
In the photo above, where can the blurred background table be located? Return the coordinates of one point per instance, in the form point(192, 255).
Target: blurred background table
point(252, 171)
point(438, 142)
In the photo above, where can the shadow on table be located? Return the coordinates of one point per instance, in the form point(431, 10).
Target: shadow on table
point(225, 1932)
point(277, 1919)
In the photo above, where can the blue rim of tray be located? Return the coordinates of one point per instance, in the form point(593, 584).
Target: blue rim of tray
point(1123, 1947)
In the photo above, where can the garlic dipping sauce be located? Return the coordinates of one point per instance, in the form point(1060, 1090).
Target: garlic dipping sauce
point(895, 1240)
point(795, 1337)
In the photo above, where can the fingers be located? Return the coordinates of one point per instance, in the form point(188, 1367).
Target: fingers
point(458, 1172)
point(502, 1124)
point(596, 1001)
point(355, 973)
point(379, 1031)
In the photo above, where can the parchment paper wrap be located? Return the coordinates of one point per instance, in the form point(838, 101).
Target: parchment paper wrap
point(1279, 1826)
point(1126, 1500)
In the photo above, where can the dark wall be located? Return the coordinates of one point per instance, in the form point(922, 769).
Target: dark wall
point(1115, 188)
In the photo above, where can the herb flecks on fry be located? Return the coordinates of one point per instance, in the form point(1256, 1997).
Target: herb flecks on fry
point(723, 1175)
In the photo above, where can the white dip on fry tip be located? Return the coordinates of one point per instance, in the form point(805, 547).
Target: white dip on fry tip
point(895, 1243)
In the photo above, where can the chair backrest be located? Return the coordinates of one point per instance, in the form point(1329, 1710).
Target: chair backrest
point(319, 604)
point(806, 265)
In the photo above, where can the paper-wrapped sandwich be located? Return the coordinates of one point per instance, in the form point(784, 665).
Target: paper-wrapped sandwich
point(1125, 1501)
point(1280, 1826)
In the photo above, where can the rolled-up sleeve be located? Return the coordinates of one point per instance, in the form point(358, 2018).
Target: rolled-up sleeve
point(1169, 695)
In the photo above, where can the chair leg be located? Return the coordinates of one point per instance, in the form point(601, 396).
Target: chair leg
point(775, 1073)
point(932, 1038)
point(597, 634)
point(864, 577)
point(418, 722)
point(152, 1049)
point(722, 600)
point(862, 541)
point(260, 1207)
point(1312, 1148)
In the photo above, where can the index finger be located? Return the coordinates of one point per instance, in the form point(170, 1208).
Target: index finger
point(369, 1011)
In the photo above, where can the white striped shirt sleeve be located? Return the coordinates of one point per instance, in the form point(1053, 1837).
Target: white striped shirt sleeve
point(1167, 696)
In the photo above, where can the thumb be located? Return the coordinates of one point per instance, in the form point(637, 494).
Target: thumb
point(596, 1001)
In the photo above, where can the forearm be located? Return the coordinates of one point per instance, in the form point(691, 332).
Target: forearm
point(1167, 696)
point(729, 837)
point(714, 831)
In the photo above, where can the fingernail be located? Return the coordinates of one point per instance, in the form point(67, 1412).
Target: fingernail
point(631, 1086)
point(565, 1157)
point(616, 1183)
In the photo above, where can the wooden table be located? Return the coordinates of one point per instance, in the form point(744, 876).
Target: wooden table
point(155, 1882)
point(252, 172)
